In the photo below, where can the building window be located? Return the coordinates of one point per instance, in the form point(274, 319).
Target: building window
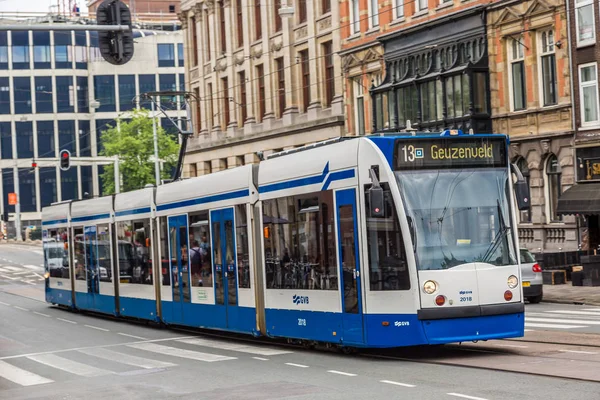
point(85, 149)
point(329, 76)
point(524, 216)
point(207, 36)
point(22, 94)
point(548, 68)
point(4, 95)
point(166, 55)
point(517, 74)
point(211, 114)
point(82, 94)
point(584, 20)
point(194, 49)
point(240, 22)
point(66, 136)
point(359, 106)
point(373, 13)
point(588, 92)
point(81, 50)
point(278, 21)
point(171, 8)
point(257, 20)
point(167, 83)
point(305, 79)
point(48, 193)
point(43, 95)
point(146, 83)
point(5, 142)
point(63, 51)
point(226, 112)
point(325, 6)
point(68, 184)
point(45, 139)
point(126, 92)
point(41, 50)
point(198, 123)
point(65, 95)
point(27, 197)
point(279, 65)
point(302, 11)
point(4, 50)
point(243, 105)
point(180, 56)
point(457, 96)
point(355, 16)
point(421, 5)
point(104, 88)
point(24, 139)
point(260, 72)
point(86, 179)
point(480, 93)
point(20, 49)
point(103, 125)
point(398, 9)
point(553, 172)
point(223, 28)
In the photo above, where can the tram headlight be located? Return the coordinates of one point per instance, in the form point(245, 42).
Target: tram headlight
point(512, 281)
point(430, 287)
point(47, 275)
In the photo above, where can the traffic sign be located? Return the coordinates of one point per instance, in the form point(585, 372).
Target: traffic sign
point(12, 199)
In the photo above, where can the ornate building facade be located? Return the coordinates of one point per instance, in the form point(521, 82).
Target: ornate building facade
point(262, 82)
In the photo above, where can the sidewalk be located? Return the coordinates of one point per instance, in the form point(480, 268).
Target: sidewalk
point(567, 294)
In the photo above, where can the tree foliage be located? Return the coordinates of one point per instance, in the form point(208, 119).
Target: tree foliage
point(133, 143)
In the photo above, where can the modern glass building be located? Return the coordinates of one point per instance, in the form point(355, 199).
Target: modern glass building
point(56, 92)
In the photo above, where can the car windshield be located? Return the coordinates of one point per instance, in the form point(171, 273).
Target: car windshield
point(458, 216)
point(527, 257)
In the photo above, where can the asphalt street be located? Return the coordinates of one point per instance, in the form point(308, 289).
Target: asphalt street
point(50, 353)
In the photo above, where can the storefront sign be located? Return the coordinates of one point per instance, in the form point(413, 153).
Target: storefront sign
point(588, 164)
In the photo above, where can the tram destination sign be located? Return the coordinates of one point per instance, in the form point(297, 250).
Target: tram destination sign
point(455, 152)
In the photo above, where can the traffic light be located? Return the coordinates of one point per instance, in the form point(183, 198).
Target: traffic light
point(65, 160)
point(116, 47)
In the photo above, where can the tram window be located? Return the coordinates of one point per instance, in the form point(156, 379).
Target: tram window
point(79, 254)
point(56, 255)
point(134, 251)
point(241, 241)
point(299, 239)
point(388, 268)
point(200, 262)
point(164, 252)
point(103, 255)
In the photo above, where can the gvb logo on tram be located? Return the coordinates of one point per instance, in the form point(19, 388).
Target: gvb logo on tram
point(300, 299)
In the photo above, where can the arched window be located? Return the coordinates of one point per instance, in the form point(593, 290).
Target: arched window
point(553, 173)
point(524, 216)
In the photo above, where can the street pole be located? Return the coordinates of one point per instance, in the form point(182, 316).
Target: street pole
point(156, 165)
point(117, 174)
point(18, 205)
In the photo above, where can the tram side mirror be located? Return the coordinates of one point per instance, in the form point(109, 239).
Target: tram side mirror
point(521, 190)
point(376, 196)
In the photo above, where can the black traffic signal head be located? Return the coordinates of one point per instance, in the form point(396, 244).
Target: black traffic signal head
point(115, 46)
point(65, 160)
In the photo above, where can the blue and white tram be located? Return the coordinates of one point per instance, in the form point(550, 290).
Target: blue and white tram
point(379, 241)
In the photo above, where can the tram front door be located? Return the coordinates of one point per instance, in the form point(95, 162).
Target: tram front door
point(179, 265)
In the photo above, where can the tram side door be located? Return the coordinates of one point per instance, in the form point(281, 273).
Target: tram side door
point(179, 264)
point(224, 259)
point(91, 264)
point(352, 316)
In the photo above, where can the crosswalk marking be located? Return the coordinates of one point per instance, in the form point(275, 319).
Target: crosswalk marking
point(216, 344)
point(576, 312)
point(592, 309)
point(73, 367)
point(123, 358)
point(21, 376)
point(176, 352)
point(8, 268)
point(536, 325)
point(563, 321)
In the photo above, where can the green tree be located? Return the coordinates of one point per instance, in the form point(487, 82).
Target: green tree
point(133, 143)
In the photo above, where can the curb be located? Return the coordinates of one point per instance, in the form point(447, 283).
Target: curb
point(571, 301)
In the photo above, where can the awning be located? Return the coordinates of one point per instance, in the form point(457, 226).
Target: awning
point(582, 198)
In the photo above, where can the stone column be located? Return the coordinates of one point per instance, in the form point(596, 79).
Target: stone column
point(289, 61)
point(251, 158)
point(230, 71)
point(266, 17)
point(203, 168)
point(313, 64)
point(218, 165)
point(337, 104)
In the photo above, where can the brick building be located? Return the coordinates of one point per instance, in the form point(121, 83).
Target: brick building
point(143, 6)
point(265, 83)
point(531, 101)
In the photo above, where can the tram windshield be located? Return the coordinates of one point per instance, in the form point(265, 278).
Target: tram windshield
point(458, 216)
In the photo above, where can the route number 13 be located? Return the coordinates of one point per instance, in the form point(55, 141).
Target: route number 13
point(409, 153)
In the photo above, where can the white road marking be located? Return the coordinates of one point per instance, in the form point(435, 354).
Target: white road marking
point(296, 365)
point(95, 327)
point(66, 320)
point(532, 325)
point(20, 308)
point(9, 277)
point(464, 396)
point(516, 346)
point(221, 345)
point(11, 268)
point(340, 373)
point(578, 351)
point(131, 336)
point(43, 315)
point(592, 309)
point(73, 367)
point(4, 304)
point(397, 383)
point(564, 321)
point(529, 330)
point(21, 273)
point(35, 267)
point(261, 359)
point(574, 312)
point(176, 352)
point(20, 376)
point(123, 358)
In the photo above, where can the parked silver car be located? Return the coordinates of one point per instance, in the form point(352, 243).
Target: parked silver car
point(531, 275)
